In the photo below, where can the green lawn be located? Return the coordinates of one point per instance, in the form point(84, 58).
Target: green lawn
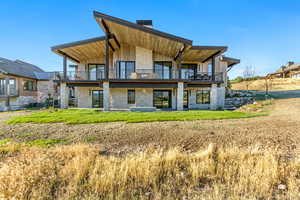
point(85, 116)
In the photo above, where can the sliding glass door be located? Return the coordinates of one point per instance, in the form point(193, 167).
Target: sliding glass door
point(96, 71)
point(163, 69)
point(97, 99)
point(162, 98)
point(125, 69)
point(188, 71)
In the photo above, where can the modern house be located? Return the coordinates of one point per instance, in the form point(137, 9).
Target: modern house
point(22, 83)
point(136, 67)
point(290, 70)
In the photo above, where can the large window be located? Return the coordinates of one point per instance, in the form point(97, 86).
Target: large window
point(131, 97)
point(209, 68)
point(12, 86)
point(202, 96)
point(96, 71)
point(30, 85)
point(97, 98)
point(162, 98)
point(2, 86)
point(125, 69)
point(188, 71)
point(163, 69)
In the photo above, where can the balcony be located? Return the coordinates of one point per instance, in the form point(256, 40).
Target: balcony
point(141, 74)
point(80, 76)
point(145, 74)
point(202, 76)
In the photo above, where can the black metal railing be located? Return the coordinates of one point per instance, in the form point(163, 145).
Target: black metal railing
point(202, 76)
point(142, 74)
point(80, 75)
point(149, 74)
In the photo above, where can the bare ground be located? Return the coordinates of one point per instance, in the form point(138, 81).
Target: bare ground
point(281, 130)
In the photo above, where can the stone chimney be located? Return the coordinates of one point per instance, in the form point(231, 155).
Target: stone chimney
point(147, 23)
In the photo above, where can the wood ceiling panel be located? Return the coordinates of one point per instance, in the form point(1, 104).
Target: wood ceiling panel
point(145, 40)
point(198, 55)
point(86, 51)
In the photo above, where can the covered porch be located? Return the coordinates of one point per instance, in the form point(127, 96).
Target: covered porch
point(109, 96)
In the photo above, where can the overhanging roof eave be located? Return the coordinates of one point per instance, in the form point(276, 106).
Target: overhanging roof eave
point(221, 48)
point(77, 43)
point(141, 28)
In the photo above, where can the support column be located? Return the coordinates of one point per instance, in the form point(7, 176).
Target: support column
point(107, 57)
point(106, 96)
point(221, 97)
point(180, 92)
point(7, 94)
point(64, 96)
point(213, 68)
point(214, 97)
point(65, 67)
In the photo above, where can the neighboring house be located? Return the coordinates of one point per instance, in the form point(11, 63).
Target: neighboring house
point(140, 68)
point(290, 70)
point(22, 84)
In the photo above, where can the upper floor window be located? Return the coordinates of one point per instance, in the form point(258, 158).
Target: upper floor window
point(96, 71)
point(209, 68)
point(188, 71)
point(125, 69)
point(163, 69)
point(30, 85)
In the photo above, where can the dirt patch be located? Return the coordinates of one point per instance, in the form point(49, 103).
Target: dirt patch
point(279, 130)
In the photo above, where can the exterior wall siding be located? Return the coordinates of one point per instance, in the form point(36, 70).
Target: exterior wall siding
point(44, 88)
point(118, 97)
point(192, 100)
point(144, 58)
point(84, 97)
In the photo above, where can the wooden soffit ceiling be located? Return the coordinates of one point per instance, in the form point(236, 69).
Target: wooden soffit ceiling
point(81, 51)
point(202, 53)
point(230, 61)
point(138, 35)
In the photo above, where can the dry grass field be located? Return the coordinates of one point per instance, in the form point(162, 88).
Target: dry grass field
point(274, 84)
point(253, 158)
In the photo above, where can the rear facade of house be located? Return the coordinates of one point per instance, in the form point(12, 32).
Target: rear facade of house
point(136, 67)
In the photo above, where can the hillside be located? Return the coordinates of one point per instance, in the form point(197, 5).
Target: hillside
point(274, 84)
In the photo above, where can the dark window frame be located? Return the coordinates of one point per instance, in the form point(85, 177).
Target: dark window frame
point(202, 99)
point(131, 99)
point(169, 97)
point(191, 66)
point(98, 65)
point(118, 69)
point(101, 100)
point(33, 86)
point(2, 86)
point(162, 63)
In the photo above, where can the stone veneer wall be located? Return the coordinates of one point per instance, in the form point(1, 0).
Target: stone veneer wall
point(19, 101)
point(44, 88)
point(118, 97)
point(143, 98)
point(192, 99)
